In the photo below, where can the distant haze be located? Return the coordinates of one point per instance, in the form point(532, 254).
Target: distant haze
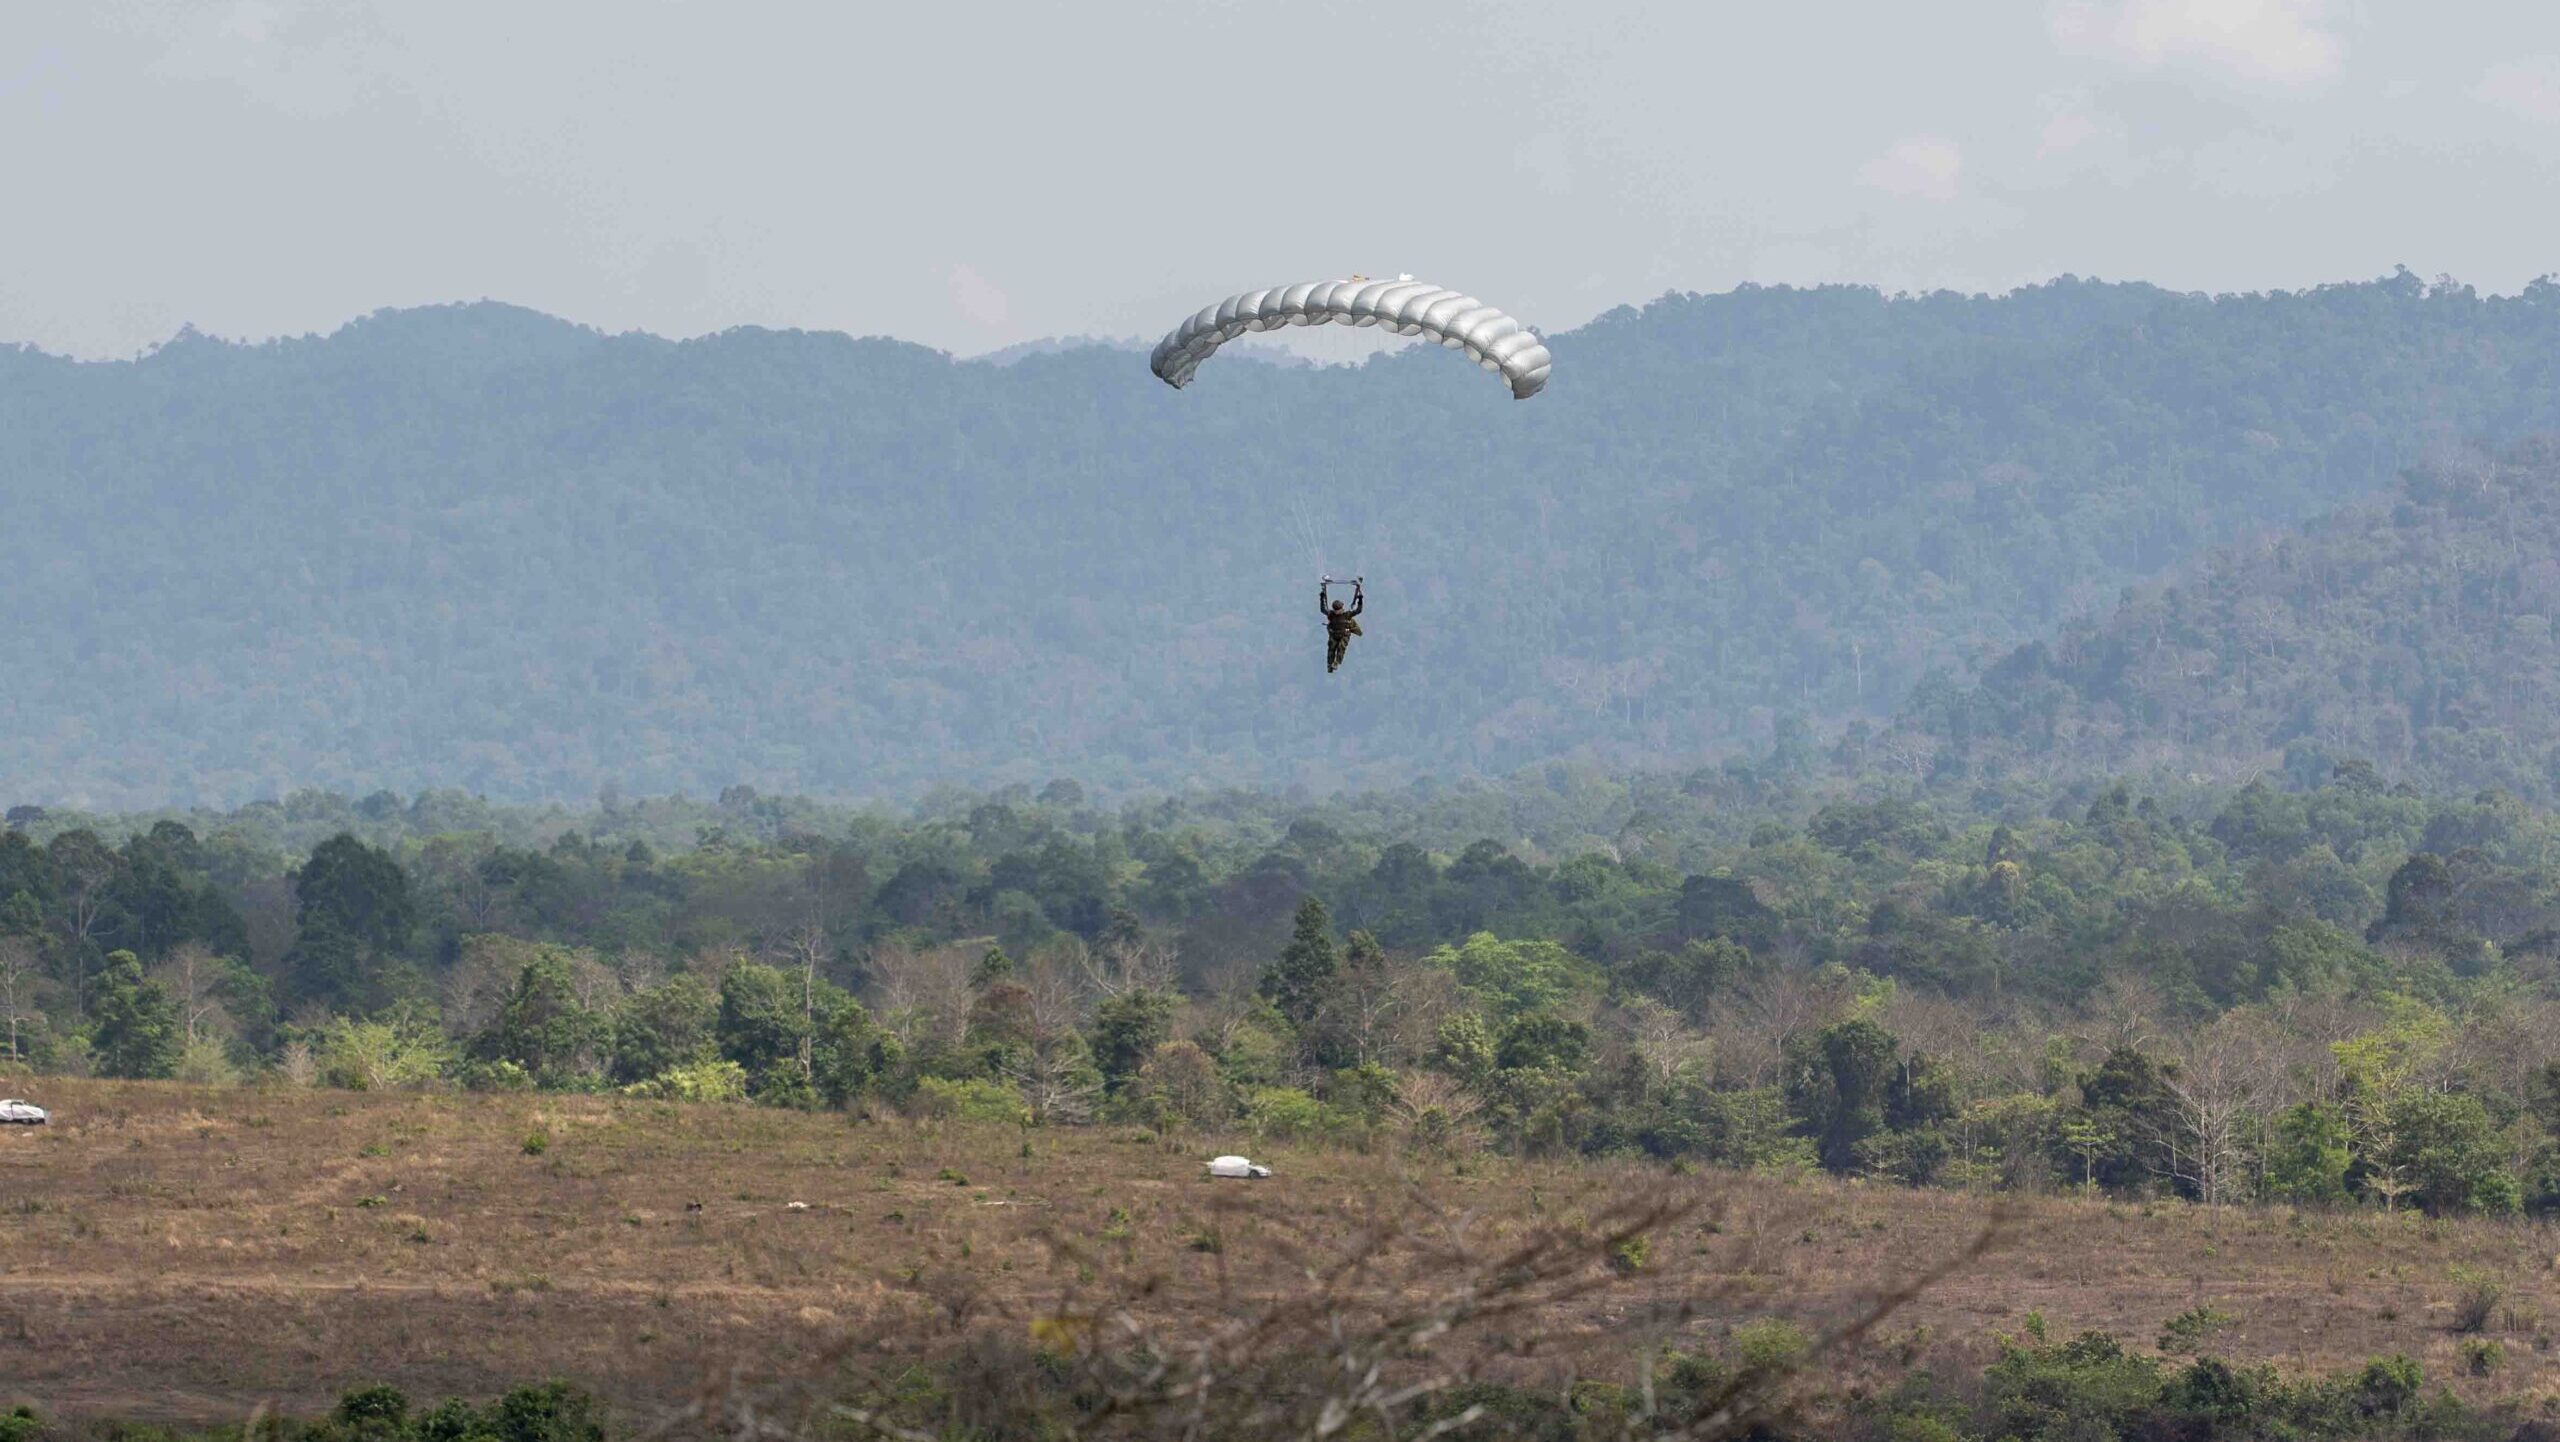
point(475, 546)
point(975, 176)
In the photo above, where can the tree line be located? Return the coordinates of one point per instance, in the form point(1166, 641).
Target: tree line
point(2325, 993)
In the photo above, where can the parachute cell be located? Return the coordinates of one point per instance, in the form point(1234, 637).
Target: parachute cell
point(1460, 322)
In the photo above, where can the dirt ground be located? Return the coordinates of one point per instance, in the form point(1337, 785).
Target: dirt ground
point(190, 1254)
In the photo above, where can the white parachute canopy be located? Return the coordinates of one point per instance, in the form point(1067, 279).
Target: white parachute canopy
point(1406, 306)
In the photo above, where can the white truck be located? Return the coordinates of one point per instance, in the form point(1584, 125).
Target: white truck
point(16, 1112)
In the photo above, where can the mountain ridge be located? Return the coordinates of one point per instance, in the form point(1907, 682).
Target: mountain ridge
point(2413, 632)
point(474, 546)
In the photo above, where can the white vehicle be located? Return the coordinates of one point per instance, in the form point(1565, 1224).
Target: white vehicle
point(1236, 1167)
point(25, 1113)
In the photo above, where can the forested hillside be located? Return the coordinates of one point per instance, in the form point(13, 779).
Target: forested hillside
point(2417, 631)
point(477, 547)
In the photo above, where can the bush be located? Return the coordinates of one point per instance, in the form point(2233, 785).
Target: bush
point(2186, 1333)
point(974, 1100)
point(2388, 1385)
point(1921, 1427)
point(1771, 1344)
point(2482, 1355)
point(714, 1079)
point(1627, 1255)
point(397, 1055)
point(536, 1142)
point(378, 1411)
point(1283, 1112)
point(2476, 1294)
point(2086, 1387)
point(493, 1076)
point(20, 1424)
point(452, 1420)
point(204, 1062)
point(553, 1412)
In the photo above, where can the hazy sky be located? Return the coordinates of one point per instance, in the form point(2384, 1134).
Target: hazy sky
point(971, 175)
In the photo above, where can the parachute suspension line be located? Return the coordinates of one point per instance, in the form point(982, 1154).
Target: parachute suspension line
point(1305, 521)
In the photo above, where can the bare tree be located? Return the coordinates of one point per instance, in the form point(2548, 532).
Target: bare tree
point(2125, 1012)
point(1387, 1009)
point(18, 975)
point(1434, 1110)
point(804, 950)
point(2215, 1092)
point(192, 975)
point(476, 985)
point(925, 996)
point(1662, 1041)
point(1053, 996)
point(296, 1064)
point(1750, 1030)
point(1137, 963)
point(1057, 1084)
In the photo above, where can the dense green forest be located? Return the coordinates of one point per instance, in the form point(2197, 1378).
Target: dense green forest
point(2320, 992)
point(477, 547)
point(2417, 630)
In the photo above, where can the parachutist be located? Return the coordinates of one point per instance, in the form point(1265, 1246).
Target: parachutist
point(1340, 623)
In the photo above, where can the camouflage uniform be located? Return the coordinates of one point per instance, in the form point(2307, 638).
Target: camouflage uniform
point(1339, 627)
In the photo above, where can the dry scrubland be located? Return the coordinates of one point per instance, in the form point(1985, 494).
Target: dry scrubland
point(182, 1253)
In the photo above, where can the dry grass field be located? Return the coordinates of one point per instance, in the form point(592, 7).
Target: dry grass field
point(187, 1254)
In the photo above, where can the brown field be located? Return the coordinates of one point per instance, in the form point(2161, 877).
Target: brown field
point(189, 1254)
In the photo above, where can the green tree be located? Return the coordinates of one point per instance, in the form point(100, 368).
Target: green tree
point(664, 1026)
point(1296, 981)
point(395, 1053)
point(542, 1026)
point(851, 1056)
point(1514, 976)
point(358, 889)
point(1838, 1082)
point(2449, 1152)
point(762, 1024)
point(1127, 1029)
point(2308, 1155)
point(138, 1033)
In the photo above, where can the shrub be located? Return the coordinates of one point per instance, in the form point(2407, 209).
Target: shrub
point(2388, 1385)
point(1283, 1112)
point(974, 1100)
point(2476, 1294)
point(1921, 1427)
point(452, 1420)
point(553, 1412)
point(493, 1076)
point(20, 1424)
point(1627, 1255)
point(2224, 1397)
point(2186, 1333)
point(204, 1062)
point(377, 1411)
point(713, 1079)
point(2086, 1387)
point(2482, 1355)
point(536, 1142)
point(1771, 1344)
point(395, 1055)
